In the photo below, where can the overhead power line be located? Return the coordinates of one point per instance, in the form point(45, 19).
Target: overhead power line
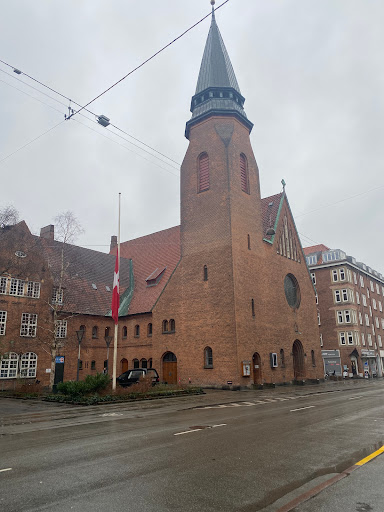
point(150, 58)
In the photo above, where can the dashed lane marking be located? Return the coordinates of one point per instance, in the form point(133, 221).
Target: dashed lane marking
point(198, 429)
point(355, 397)
point(6, 469)
point(302, 408)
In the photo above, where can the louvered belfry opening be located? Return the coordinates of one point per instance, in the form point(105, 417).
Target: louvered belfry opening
point(244, 174)
point(203, 172)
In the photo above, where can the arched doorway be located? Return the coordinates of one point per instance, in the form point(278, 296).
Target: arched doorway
point(298, 360)
point(124, 365)
point(170, 368)
point(256, 365)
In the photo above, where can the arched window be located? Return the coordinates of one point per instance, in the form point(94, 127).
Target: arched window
point(107, 332)
point(8, 366)
point(149, 329)
point(136, 363)
point(82, 328)
point(93, 365)
point(244, 174)
point(253, 307)
point(28, 365)
point(94, 332)
point(165, 325)
point(125, 332)
point(80, 364)
point(144, 363)
point(208, 358)
point(172, 326)
point(150, 363)
point(282, 358)
point(137, 331)
point(203, 172)
point(313, 358)
point(205, 273)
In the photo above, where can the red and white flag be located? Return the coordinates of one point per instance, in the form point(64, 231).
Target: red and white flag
point(116, 291)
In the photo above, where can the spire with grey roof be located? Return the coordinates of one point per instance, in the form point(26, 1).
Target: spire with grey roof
point(217, 90)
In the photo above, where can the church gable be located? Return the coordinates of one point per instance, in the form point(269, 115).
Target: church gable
point(277, 216)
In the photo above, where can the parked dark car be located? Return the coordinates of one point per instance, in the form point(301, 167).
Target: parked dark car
point(133, 376)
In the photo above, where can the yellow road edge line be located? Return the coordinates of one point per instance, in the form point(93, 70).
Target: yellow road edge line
point(370, 457)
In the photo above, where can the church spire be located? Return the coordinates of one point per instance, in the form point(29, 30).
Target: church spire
point(217, 90)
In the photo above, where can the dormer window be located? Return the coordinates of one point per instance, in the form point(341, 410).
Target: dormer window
point(154, 278)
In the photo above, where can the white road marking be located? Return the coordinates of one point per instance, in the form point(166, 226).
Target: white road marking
point(198, 429)
point(6, 469)
point(354, 397)
point(188, 431)
point(112, 414)
point(302, 408)
point(248, 404)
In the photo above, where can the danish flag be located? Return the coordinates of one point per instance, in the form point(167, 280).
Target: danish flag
point(116, 291)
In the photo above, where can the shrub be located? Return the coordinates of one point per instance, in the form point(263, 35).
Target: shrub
point(91, 384)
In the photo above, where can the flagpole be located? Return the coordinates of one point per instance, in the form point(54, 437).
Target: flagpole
point(116, 324)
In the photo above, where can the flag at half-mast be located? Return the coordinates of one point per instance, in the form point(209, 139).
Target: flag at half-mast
point(116, 291)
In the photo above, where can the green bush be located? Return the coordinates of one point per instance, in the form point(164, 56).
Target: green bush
point(91, 384)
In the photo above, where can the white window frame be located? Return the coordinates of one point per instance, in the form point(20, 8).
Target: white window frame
point(342, 274)
point(370, 311)
point(349, 276)
point(337, 296)
point(377, 289)
point(364, 299)
point(357, 298)
point(350, 337)
point(343, 339)
point(335, 276)
point(354, 316)
point(9, 364)
point(382, 323)
point(33, 289)
point(379, 342)
point(369, 340)
point(362, 282)
point(318, 318)
point(57, 298)
point(368, 293)
point(28, 365)
point(3, 285)
point(372, 287)
point(380, 306)
point(344, 293)
point(61, 329)
point(28, 325)
point(363, 339)
point(355, 278)
point(360, 318)
point(357, 338)
point(377, 323)
point(3, 322)
point(366, 319)
point(321, 340)
point(16, 288)
point(344, 316)
point(313, 277)
point(374, 304)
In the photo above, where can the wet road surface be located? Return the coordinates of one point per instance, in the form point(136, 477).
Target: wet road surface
point(223, 451)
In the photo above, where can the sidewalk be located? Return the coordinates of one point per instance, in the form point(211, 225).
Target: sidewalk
point(362, 490)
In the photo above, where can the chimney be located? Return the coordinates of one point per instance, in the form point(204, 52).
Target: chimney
point(48, 232)
point(113, 242)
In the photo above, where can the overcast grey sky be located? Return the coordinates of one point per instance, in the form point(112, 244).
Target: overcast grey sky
point(311, 72)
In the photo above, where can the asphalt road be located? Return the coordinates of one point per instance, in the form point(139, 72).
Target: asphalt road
point(224, 451)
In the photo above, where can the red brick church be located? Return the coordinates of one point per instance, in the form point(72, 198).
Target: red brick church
point(224, 299)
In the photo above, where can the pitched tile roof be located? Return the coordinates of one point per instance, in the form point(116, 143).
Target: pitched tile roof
point(269, 213)
point(84, 268)
point(150, 255)
point(315, 248)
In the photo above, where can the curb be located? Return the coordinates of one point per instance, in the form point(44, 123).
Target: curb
point(318, 488)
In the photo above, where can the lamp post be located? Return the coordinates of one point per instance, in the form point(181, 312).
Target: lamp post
point(79, 335)
point(108, 340)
